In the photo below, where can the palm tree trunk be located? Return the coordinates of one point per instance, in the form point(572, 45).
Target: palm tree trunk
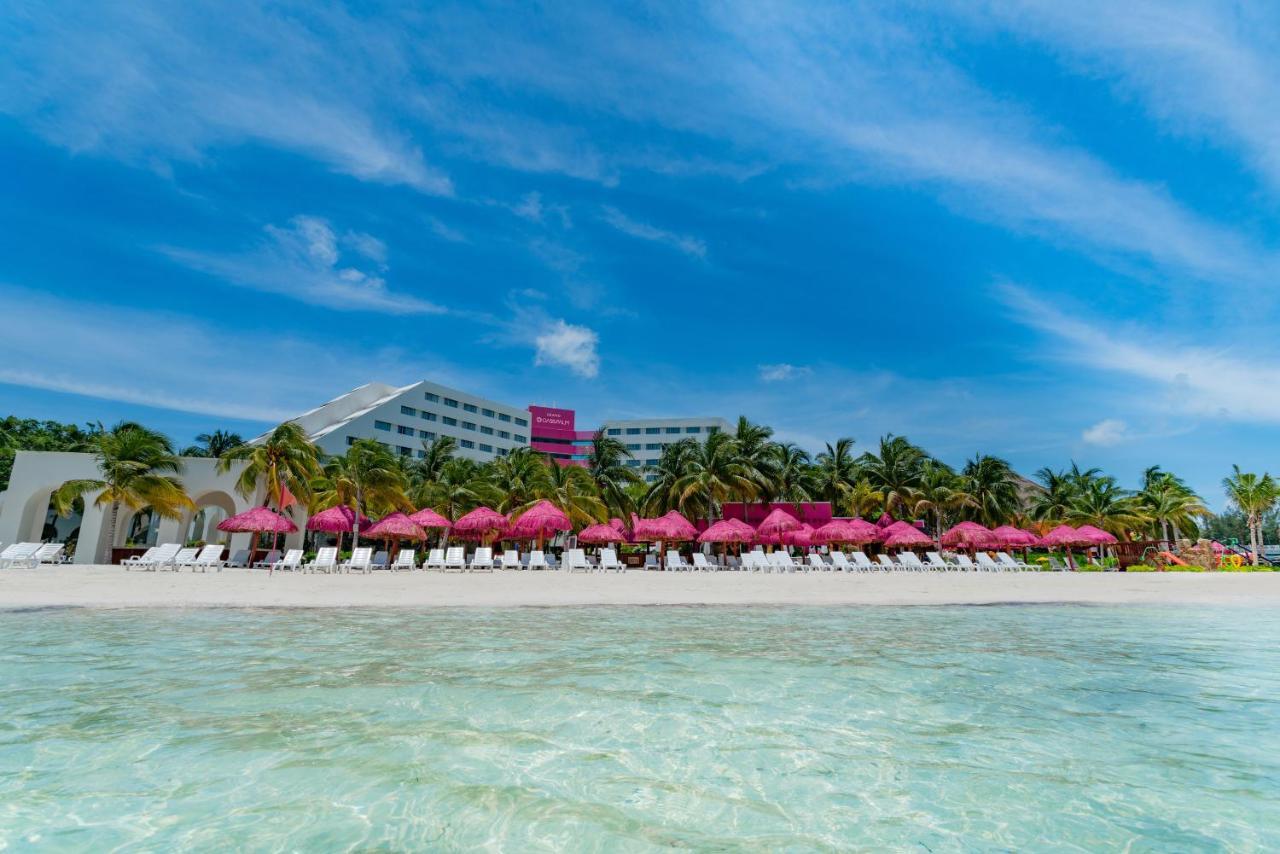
point(1164, 532)
point(111, 529)
point(1253, 540)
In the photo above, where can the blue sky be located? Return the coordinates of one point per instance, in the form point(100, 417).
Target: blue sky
point(1043, 231)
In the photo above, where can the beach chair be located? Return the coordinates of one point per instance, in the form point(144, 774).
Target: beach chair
point(44, 553)
point(152, 560)
point(553, 562)
point(510, 559)
point(240, 559)
point(575, 560)
point(380, 559)
point(184, 557)
point(292, 560)
point(815, 561)
point(146, 557)
point(863, 563)
point(361, 560)
point(651, 562)
point(538, 560)
point(700, 562)
point(986, 564)
point(887, 563)
point(209, 556)
point(326, 560)
point(1057, 565)
point(782, 562)
point(609, 561)
point(270, 558)
point(405, 560)
point(840, 562)
point(731, 562)
point(936, 562)
point(482, 560)
point(455, 557)
point(911, 561)
point(1010, 562)
point(435, 560)
point(675, 562)
point(965, 563)
point(17, 554)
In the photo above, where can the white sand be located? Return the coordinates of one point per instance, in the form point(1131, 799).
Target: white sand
point(113, 587)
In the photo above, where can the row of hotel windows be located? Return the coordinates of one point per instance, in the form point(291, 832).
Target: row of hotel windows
point(451, 422)
point(466, 407)
point(654, 431)
point(466, 443)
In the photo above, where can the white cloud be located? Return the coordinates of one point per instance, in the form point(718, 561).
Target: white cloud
point(1109, 431)
point(573, 347)
point(530, 207)
point(302, 261)
point(692, 246)
point(1233, 382)
point(781, 371)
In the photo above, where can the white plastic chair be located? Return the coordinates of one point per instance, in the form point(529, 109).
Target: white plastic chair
point(609, 561)
point(575, 560)
point(816, 562)
point(700, 562)
point(538, 560)
point(936, 562)
point(482, 560)
point(510, 559)
point(326, 560)
point(435, 560)
point(406, 560)
point(840, 562)
point(291, 561)
point(184, 557)
point(863, 563)
point(361, 560)
point(675, 562)
point(162, 556)
point(987, 564)
point(455, 558)
point(911, 561)
point(965, 563)
point(209, 556)
point(271, 558)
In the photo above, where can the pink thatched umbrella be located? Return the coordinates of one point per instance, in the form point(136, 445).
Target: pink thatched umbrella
point(728, 531)
point(802, 536)
point(1015, 538)
point(773, 526)
point(601, 535)
point(482, 523)
point(672, 526)
point(396, 527)
point(431, 520)
point(259, 520)
point(836, 531)
point(969, 535)
point(539, 520)
point(1066, 537)
point(336, 520)
point(903, 535)
point(1097, 537)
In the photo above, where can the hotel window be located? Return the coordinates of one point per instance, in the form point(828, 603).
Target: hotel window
point(713, 430)
point(351, 440)
point(502, 452)
point(673, 429)
point(633, 431)
point(633, 447)
point(635, 464)
point(651, 462)
point(427, 434)
point(519, 438)
point(408, 410)
point(653, 446)
point(693, 429)
point(614, 431)
point(487, 413)
point(468, 425)
point(434, 398)
point(488, 449)
point(502, 416)
point(467, 443)
point(503, 434)
point(652, 431)
point(488, 431)
point(520, 422)
point(469, 407)
point(382, 425)
point(405, 452)
point(452, 422)
point(403, 430)
point(422, 455)
point(430, 416)
point(449, 401)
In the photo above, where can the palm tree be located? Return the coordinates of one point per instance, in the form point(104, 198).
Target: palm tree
point(755, 453)
point(863, 499)
point(368, 478)
point(138, 468)
point(607, 464)
point(992, 488)
point(713, 472)
point(1102, 503)
point(1053, 502)
point(1171, 503)
point(286, 461)
point(213, 444)
point(435, 454)
point(791, 479)
point(836, 473)
point(1253, 496)
point(460, 486)
point(940, 493)
point(573, 490)
point(895, 470)
point(519, 479)
point(663, 493)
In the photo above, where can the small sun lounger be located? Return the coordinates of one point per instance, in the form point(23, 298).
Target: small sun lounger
point(326, 560)
point(482, 560)
point(609, 561)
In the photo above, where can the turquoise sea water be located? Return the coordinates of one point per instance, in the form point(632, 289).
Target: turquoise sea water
point(633, 729)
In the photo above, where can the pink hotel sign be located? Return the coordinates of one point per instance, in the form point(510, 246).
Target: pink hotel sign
point(552, 423)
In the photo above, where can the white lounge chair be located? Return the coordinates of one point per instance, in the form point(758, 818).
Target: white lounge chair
point(575, 560)
point(146, 557)
point(210, 555)
point(482, 560)
point(609, 561)
point(816, 562)
point(887, 563)
point(17, 554)
point(380, 559)
point(840, 562)
point(552, 561)
point(406, 559)
point(292, 560)
point(675, 562)
point(781, 561)
point(271, 558)
point(510, 559)
point(651, 562)
point(911, 561)
point(240, 559)
point(184, 557)
point(152, 560)
point(326, 560)
point(986, 564)
point(44, 553)
point(455, 557)
point(863, 563)
point(361, 560)
point(538, 560)
point(435, 560)
point(936, 562)
point(700, 562)
point(1012, 563)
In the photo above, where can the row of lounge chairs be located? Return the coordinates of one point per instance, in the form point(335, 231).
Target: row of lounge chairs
point(447, 560)
point(781, 561)
point(30, 555)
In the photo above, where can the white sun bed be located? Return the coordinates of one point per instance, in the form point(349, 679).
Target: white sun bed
point(575, 560)
point(406, 559)
point(455, 558)
point(326, 560)
point(361, 560)
point(292, 560)
point(700, 562)
point(210, 555)
point(510, 559)
point(482, 560)
point(538, 560)
point(987, 564)
point(609, 561)
point(936, 562)
point(435, 560)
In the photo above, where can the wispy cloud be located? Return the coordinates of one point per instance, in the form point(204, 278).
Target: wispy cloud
point(566, 345)
point(692, 246)
point(1108, 431)
point(302, 260)
point(781, 371)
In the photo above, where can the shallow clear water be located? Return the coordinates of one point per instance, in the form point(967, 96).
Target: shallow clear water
point(619, 729)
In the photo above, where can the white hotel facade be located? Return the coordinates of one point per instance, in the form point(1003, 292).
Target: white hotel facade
point(402, 418)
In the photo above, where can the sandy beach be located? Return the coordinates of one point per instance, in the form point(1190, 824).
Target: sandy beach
point(113, 587)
